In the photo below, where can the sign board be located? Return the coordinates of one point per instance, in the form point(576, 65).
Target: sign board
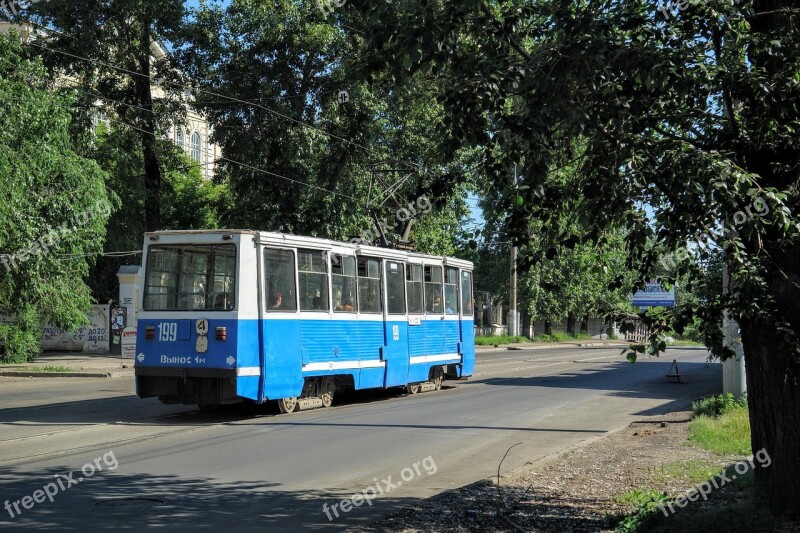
point(128, 343)
point(654, 295)
point(91, 338)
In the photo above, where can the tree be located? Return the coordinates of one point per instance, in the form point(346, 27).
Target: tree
point(188, 200)
point(53, 207)
point(692, 113)
point(296, 158)
point(107, 49)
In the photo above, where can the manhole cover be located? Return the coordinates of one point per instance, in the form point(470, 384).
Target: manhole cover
point(130, 502)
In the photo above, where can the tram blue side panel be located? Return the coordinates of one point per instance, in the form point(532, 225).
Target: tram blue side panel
point(428, 338)
point(347, 342)
point(467, 347)
point(395, 354)
point(282, 371)
point(451, 336)
point(247, 356)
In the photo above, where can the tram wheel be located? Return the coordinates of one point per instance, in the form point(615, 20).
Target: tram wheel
point(327, 398)
point(412, 388)
point(287, 405)
point(437, 383)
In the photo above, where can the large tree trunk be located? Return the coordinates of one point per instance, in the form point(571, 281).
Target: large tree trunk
point(548, 327)
point(152, 169)
point(585, 325)
point(773, 389)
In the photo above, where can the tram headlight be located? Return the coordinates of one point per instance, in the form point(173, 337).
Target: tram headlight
point(149, 333)
point(222, 333)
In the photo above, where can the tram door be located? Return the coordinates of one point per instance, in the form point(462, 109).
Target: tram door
point(395, 350)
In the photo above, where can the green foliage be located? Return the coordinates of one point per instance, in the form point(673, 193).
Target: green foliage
point(53, 207)
point(188, 200)
point(647, 505)
point(314, 180)
point(723, 434)
point(718, 405)
point(500, 339)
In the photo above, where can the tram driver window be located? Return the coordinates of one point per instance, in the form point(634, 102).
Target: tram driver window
point(433, 289)
point(451, 291)
point(313, 274)
point(369, 285)
point(343, 270)
point(279, 280)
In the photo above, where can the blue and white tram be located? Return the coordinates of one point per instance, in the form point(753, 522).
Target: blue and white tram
point(232, 315)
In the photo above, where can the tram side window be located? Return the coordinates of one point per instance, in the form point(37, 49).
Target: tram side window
point(415, 289)
point(344, 283)
point(466, 294)
point(433, 289)
point(313, 270)
point(395, 290)
point(279, 280)
point(451, 291)
point(369, 285)
point(190, 278)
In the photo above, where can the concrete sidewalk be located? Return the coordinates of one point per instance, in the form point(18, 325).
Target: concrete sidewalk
point(544, 345)
point(72, 365)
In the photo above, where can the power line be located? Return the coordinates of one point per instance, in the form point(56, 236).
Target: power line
point(232, 161)
point(201, 91)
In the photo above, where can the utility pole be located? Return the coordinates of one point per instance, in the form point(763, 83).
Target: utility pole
point(733, 373)
point(513, 326)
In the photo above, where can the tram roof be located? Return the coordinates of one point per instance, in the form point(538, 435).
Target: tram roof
point(287, 239)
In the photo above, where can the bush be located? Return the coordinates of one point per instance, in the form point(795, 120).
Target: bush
point(718, 405)
point(20, 339)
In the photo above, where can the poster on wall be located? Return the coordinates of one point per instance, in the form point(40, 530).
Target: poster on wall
point(92, 338)
point(97, 337)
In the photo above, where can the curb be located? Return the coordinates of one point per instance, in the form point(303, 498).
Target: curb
point(33, 374)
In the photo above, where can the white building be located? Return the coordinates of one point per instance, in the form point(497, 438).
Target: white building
point(194, 136)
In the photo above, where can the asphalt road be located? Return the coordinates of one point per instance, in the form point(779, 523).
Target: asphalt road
point(147, 465)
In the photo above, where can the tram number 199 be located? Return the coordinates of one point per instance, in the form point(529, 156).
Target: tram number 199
point(167, 331)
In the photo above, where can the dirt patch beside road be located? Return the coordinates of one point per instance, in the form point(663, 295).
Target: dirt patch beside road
point(578, 490)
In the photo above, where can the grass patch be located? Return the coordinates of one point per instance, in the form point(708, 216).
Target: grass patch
point(728, 433)
point(693, 471)
point(500, 339)
point(49, 368)
point(646, 504)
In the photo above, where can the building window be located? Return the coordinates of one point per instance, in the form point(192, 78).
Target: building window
point(179, 136)
point(194, 151)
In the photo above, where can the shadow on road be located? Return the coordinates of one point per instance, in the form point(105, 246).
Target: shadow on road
point(112, 500)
